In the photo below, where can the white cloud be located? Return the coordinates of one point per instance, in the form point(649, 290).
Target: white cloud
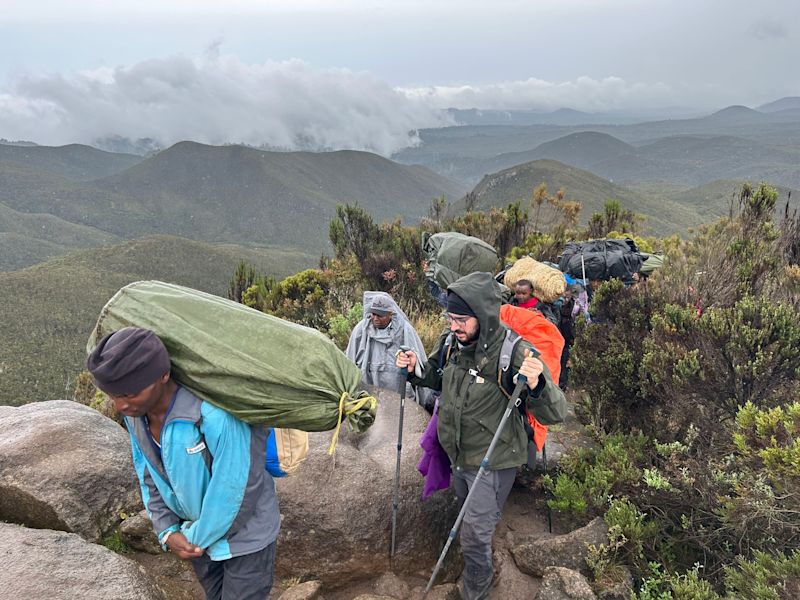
point(216, 100)
point(769, 29)
point(289, 105)
point(584, 93)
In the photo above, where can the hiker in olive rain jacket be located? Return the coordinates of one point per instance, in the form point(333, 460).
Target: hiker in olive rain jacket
point(471, 407)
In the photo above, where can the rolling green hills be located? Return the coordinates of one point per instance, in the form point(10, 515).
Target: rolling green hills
point(716, 199)
point(74, 161)
point(229, 194)
point(49, 308)
point(26, 239)
point(733, 143)
point(517, 183)
point(239, 194)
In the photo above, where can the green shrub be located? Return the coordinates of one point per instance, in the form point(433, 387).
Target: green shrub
point(767, 577)
point(670, 586)
point(340, 326)
point(588, 477)
point(113, 542)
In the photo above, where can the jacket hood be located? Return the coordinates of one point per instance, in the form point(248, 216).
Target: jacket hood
point(482, 293)
point(371, 296)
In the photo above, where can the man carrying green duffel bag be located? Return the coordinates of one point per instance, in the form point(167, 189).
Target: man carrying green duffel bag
point(201, 470)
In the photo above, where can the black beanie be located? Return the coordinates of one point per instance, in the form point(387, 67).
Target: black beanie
point(457, 306)
point(127, 361)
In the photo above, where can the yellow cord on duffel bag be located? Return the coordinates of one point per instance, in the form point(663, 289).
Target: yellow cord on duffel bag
point(347, 408)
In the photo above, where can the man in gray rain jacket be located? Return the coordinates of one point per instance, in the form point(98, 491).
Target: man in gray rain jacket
point(376, 340)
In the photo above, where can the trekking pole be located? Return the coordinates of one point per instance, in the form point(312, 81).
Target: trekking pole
point(583, 272)
point(396, 497)
point(513, 403)
point(549, 510)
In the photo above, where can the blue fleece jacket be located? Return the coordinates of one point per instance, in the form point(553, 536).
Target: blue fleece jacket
point(208, 479)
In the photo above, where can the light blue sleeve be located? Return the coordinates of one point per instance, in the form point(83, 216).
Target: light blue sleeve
point(228, 440)
point(161, 516)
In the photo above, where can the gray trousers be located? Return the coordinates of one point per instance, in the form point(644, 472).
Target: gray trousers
point(247, 577)
point(477, 528)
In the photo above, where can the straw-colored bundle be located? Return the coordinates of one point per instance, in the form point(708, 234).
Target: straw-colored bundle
point(548, 283)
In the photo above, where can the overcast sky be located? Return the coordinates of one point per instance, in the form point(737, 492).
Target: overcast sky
point(363, 74)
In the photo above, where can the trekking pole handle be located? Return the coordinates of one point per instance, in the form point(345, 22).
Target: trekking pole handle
point(404, 349)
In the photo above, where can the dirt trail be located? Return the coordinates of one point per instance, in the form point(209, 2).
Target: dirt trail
point(524, 515)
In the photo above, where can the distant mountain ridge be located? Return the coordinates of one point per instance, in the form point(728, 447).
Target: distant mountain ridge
point(73, 161)
point(221, 193)
point(470, 152)
point(518, 182)
point(787, 103)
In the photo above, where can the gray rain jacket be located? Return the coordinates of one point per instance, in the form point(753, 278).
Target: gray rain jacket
point(374, 350)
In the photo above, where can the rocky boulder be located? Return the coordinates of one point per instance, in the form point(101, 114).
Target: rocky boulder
point(310, 590)
point(390, 584)
point(569, 551)
point(446, 591)
point(40, 563)
point(65, 466)
point(564, 584)
point(337, 511)
point(137, 532)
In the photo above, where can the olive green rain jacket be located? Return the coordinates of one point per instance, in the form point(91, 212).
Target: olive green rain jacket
point(472, 402)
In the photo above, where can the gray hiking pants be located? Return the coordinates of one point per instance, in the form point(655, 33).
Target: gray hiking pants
point(478, 525)
point(247, 577)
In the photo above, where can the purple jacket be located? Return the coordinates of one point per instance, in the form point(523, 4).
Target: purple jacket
point(434, 465)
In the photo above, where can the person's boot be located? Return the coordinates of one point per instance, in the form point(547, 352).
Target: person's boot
point(476, 583)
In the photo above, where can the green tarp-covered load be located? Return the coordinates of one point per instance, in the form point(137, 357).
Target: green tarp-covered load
point(258, 367)
point(651, 263)
point(452, 255)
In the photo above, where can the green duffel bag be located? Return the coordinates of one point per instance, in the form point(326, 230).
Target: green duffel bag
point(451, 255)
point(260, 368)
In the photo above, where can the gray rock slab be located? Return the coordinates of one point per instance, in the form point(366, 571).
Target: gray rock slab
point(510, 581)
point(564, 584)
point(570, 550)
point(65, 466)
point(337, 512)
point(446, 591)
point(390, 584)
point(137, 532)
point(310, 590)
point(40, 563)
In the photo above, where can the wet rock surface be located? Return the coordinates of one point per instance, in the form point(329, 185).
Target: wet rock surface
point(337, 511)
point(66, 467)
point(41, 563)
point(536, 554)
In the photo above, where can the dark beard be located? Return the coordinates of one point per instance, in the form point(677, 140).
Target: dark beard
point(471, 340)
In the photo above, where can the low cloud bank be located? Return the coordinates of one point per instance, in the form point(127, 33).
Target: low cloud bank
point(284, 105)
point(584, 93)
point(287, 105)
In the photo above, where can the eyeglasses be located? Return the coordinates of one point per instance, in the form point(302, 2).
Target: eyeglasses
point(461, 321)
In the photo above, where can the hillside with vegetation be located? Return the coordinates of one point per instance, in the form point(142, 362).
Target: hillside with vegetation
point(712, 200)
point(686, 383)
point(50, 308)
point(74, 161)
point(27, 238)
point(226, 194)
point(734, 143)
point(515, 184)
